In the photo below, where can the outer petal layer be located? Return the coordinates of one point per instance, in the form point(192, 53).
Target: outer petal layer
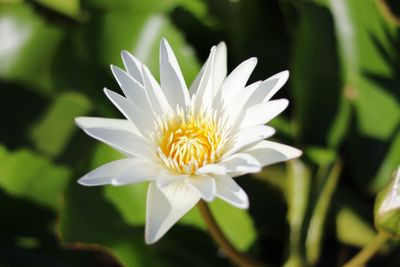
point(267, 152)
point(119, 172)
point(204, 185)
point(165, 207)
point(117, 124)
point(172, 82)
point(231, 192)
point(123, 141)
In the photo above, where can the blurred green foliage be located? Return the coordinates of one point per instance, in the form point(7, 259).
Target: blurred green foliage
point(344, 59)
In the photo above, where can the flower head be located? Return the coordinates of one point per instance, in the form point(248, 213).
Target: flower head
point(189, 143)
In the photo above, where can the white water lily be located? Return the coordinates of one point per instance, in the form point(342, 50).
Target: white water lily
point(189, 143)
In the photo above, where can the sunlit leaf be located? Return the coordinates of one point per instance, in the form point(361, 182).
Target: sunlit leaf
point(358, 35)
point(52, 133)
point(27, 47)
point(27, 175)
point(66, 7)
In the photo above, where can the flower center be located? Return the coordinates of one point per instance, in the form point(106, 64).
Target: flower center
point(188, 142)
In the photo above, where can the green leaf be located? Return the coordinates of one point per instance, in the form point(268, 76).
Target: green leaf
point(66, 7)
point(27, 175)
point(362, 36)
point(236, 224)
point(130, 201)
point(28, 45)
point(52, 133)
point(351, 228)
point(87, 217)
point(298, 187)
point(315, 77)
point(320, 155)
point(377, 110)
point(316, 229)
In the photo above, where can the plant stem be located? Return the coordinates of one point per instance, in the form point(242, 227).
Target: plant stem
point(361, 258)
point(229, 250)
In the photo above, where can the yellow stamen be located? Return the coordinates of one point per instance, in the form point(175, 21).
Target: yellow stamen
point(187, 141)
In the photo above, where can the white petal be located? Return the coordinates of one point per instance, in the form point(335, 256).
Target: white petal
point(263, 112)
point(231, 192)
point(235, 107)
point(211, 168)
point(123, 141)
point(204, 185)
point(237, 79)
point(143, 121)
point(195, 84)
point(167, 177)
point(249, 136)
point(267, 152)
point(130, 169)
point(155, 95)
point(204, 93)
point(133, 66)
point(239, 162)
point(172, 81)
point(132, 89)
point(220, 68)
point(116, 124)
point(268, 88)
point(165, 207)
point(141, 170)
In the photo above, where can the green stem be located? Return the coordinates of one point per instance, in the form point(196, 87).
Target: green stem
point(362, 257)
point(316, 227)
point(229, 250)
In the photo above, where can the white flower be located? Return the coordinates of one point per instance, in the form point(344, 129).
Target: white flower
point(188, 143)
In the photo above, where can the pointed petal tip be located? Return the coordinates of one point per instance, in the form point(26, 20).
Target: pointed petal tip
point(221, 44)
point(149, 239)
point(297, 153)
point(245, 204)
point(125, 53)
point(286, 101)
point(108, 92)
point(78, 121)
point(254, 59)
point(283, 76)
point(282, 102)
point(113, 68)
point(83, 181)
point(164, 42)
